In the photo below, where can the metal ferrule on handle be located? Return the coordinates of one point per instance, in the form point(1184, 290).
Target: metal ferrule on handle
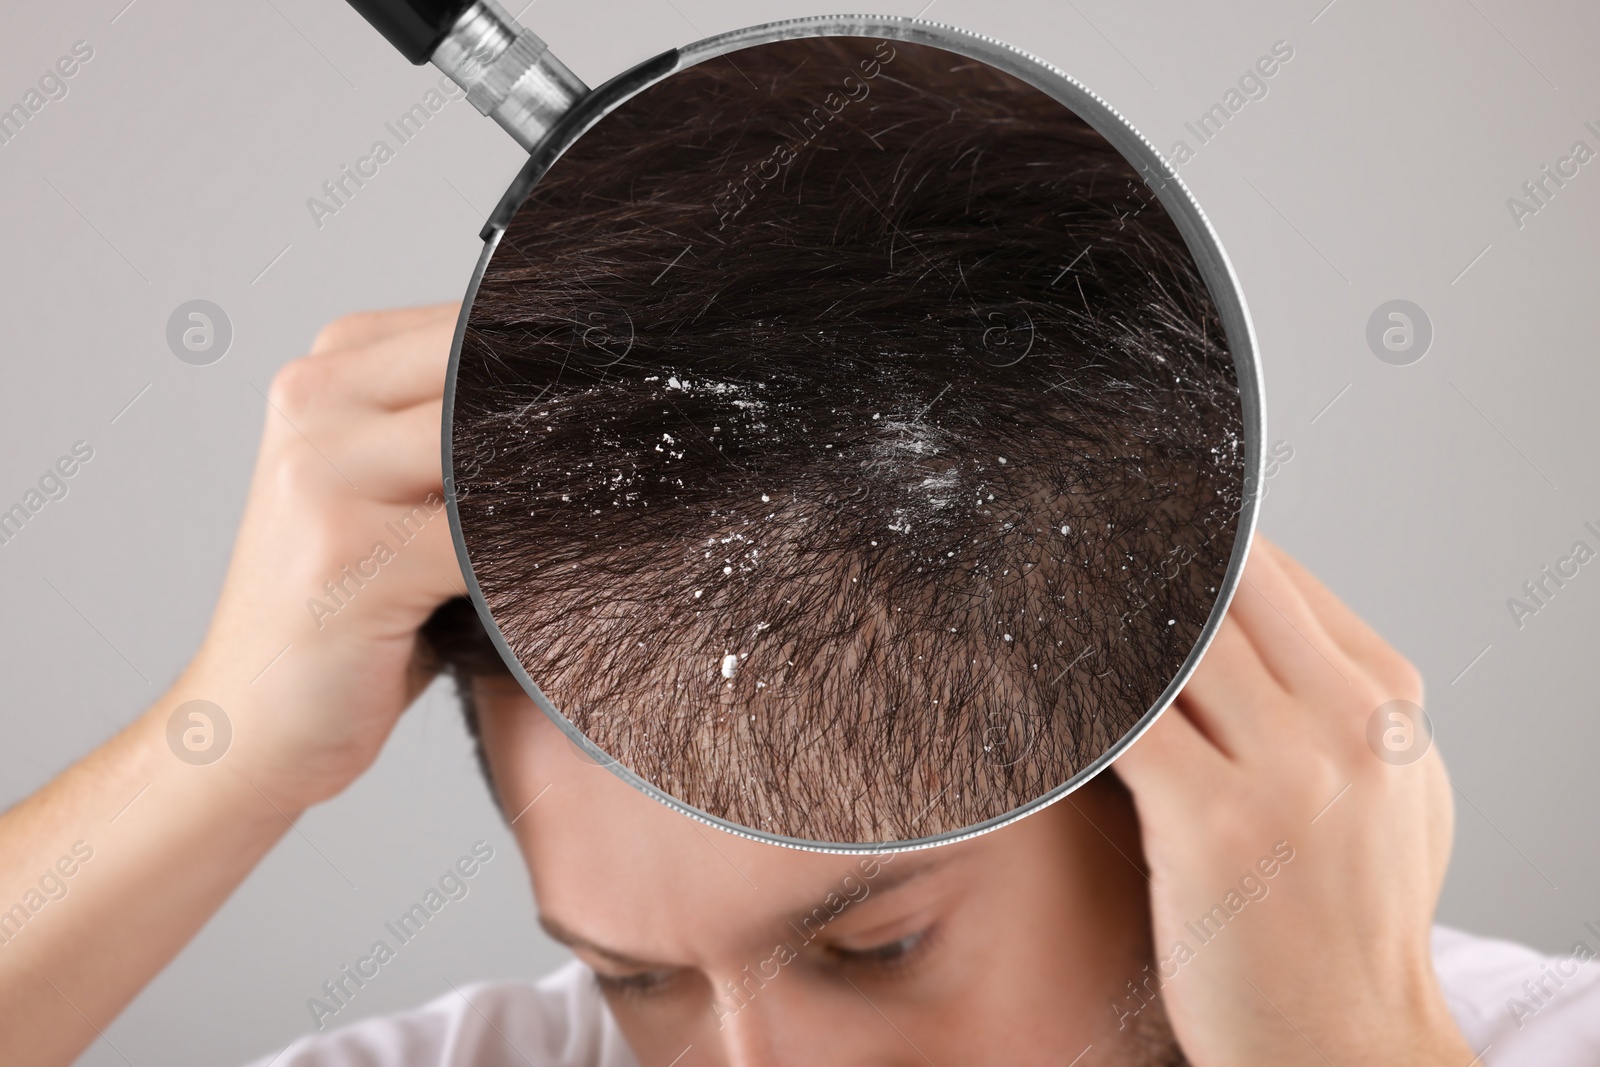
point(508, 73)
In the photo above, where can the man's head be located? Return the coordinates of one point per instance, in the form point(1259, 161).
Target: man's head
point(862, 472)
point(863, 499)
point(1015, 947)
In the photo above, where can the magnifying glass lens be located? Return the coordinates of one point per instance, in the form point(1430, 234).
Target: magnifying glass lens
point(846, 442)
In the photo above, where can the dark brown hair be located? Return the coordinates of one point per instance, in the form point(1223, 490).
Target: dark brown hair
point(825, 429)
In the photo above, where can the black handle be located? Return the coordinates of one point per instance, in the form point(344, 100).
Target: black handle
point(415, 27)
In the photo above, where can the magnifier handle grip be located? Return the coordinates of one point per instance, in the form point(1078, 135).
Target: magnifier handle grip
point(415, 27)
point(506, 70)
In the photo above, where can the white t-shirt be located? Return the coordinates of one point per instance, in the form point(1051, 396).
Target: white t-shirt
point(562, 1021)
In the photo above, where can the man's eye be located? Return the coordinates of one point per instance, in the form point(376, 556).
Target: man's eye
point(894, 954)
point(642, 984)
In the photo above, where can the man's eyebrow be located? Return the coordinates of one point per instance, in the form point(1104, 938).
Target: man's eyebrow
point(898, 876)
point(887, 880)
point(567, 936)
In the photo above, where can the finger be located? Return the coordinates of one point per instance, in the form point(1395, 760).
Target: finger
point(398, 371)
point(1286, 634)
point(319, 393)
point(395, 456)
point(439, 567)
point(1359, 641)
point(420, 566)
point(1232, 697)
point(1172, 758)
point(368, 327)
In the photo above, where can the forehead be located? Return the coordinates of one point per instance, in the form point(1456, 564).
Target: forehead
point(597, 846)
point(619, 870)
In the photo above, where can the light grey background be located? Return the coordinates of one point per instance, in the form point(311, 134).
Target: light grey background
point(1377, 167)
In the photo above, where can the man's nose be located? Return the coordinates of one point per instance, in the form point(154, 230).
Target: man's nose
point(755, 1025)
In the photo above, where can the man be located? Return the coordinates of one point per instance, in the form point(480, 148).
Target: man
point(1254, 885)
point(1037, 943)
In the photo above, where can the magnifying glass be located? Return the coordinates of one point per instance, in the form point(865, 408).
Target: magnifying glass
point(854, 433)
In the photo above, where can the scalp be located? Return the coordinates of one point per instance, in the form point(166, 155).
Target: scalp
point(911, 438)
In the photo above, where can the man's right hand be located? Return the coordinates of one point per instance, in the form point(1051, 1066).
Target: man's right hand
point(343, 553)
point(312, 654)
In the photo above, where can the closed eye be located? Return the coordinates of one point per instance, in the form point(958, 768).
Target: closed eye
point(891, 955)
point(644, 983)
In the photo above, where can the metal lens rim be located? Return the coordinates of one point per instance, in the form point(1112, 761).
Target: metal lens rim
point(1203, 243)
